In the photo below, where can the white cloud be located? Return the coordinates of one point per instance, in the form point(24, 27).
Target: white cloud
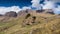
point(35, 1)
point(48, 5)
point(25, 7)
point(57, 10)
point(51, 5)
point(55, 1)
point(3, 10)
point(36, 4)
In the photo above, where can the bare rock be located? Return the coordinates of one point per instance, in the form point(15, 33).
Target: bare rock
point(21, 13)
point(11, 14)
point(1, 15)
point(39, 11)
point(24, 12)
point(49, 11)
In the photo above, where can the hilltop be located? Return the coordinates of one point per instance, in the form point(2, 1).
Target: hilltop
point(30, 22)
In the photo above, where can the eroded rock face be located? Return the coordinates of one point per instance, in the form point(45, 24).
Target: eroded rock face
point(29, 21)
point(49, 11)
point(11, 14)
point(39, 11)
point(24, 12)
point(46, 11)
point(28, 15)
point(1, 15)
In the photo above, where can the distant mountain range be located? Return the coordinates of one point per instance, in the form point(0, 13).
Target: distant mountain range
point(23, 12)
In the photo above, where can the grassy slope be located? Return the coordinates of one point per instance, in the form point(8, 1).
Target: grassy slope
point(51, 25)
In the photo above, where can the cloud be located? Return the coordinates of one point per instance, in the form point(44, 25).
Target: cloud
point(36, 4)
point(55, 1)
point(3, 10)
point(48, 5)
point(57, 10)
point(51, 4)
point(25, 7)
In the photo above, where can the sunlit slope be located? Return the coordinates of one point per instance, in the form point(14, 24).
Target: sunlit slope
point(49, 24)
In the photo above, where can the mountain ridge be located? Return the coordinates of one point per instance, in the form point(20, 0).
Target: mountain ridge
point(30, 22)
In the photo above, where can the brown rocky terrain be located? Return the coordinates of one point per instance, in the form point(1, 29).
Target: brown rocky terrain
point(30, 22)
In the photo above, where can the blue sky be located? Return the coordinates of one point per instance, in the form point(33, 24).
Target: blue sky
point(13, 5)
point(18, 5)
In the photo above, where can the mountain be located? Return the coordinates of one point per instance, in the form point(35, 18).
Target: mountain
point(30, 22)
point(11, 14)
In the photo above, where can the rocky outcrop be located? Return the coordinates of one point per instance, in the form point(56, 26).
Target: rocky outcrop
point(30, 20)
point(39, 11)
point(28, 15)
point(24, 12)
point(46, 11)
point(1, 15)
point(11, 14)
point(49, 11)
